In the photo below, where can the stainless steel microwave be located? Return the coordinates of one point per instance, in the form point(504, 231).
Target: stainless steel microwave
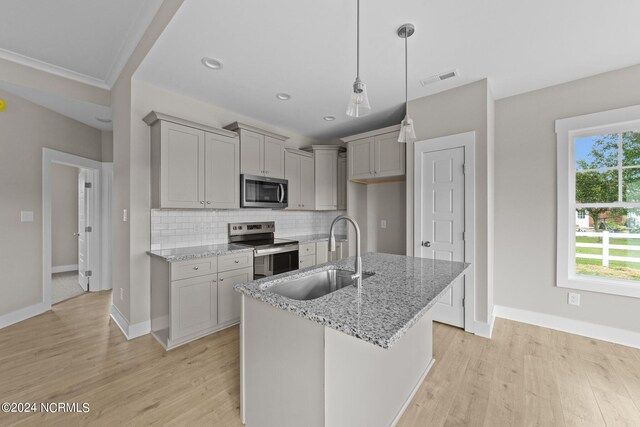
point(263, 192)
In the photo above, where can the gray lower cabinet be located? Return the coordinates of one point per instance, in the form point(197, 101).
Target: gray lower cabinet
point(191, 299)
point(318, 253)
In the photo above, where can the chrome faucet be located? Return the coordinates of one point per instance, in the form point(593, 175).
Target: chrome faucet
point(332, 248)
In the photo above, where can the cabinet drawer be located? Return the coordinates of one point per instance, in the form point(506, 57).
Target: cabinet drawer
point(307, 249)
point(307, 261)
point(322, 252)
point(235, 261)
point(193, 268)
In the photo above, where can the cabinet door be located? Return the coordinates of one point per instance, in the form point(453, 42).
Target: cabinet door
point(292, 174)
point(389, 155)
point(251, 156)
point(361, 159)
point(181, 166)
point(222, 172)
point(228, 299)
point(194, 305)
point(342, 183)
point(308, 185)
point(322, 252)
point(307, 261)
point(326, 180)
point(273, 157)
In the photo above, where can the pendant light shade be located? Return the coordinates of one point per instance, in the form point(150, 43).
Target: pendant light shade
point(407, 132)
point(358, 100)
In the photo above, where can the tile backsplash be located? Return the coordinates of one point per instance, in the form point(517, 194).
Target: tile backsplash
point(178, 229)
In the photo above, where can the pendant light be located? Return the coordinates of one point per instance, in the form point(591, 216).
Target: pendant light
point(407, 133)
point(358, 100)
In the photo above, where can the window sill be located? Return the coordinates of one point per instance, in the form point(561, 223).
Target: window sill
point(602, 285)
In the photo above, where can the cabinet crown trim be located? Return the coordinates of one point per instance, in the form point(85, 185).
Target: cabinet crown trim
point(328, 147)
point(388, 129)
point(154, 116)
point(237, 125)
point(299, 152)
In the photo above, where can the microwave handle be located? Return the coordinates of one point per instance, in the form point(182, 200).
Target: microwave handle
point(281, 190)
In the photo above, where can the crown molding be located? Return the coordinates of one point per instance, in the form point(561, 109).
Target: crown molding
point(52, 69)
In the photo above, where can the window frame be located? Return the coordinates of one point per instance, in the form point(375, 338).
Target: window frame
point(567, 130)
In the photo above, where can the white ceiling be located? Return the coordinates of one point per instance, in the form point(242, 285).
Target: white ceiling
point(307, 48)
point(85, 40)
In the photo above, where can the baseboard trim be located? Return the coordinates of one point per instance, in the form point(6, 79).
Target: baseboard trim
point(130, 331)
point(412, 394)
point(485, 329)
point(22, 314)
point(64, 268)
point(577, 327)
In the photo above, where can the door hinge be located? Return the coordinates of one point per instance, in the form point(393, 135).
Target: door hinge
point(463, 236)
point(88, 273)
point(88, 229)
point(87, 185)
point(463, 169)
point(463, 302)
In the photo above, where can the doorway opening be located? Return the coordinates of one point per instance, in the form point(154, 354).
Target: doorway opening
point(76, 200)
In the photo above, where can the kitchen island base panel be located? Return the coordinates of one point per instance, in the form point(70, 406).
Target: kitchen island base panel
point(296, 372)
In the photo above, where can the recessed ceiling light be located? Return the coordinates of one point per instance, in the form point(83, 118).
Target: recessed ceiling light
point(283, 96)
point(329, 118)
point(103, 120)
point(212, 63)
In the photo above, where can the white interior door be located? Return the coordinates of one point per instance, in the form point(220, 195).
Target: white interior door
point(440, 219)
point(84, 236)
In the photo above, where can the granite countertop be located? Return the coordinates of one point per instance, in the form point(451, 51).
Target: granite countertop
point(310, 238)
point(399, 293)
point(194, 252)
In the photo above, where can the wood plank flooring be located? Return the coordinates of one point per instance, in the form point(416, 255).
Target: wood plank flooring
point(524, 376)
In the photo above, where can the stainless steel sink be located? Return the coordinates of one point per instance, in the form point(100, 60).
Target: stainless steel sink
point(315, 285)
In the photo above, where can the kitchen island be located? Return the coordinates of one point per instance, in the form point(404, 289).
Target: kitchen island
point(340, 359)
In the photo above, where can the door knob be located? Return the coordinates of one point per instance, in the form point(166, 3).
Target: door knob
point(426, 244)
point(76, 234)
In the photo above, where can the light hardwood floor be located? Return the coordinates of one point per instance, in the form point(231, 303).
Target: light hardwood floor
point(524, 376)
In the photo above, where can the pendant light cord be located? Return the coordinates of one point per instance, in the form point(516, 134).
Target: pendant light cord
point(406, 77)
point(358, 40)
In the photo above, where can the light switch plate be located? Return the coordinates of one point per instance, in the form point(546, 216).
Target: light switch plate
point(26, 216)
point(383, 223)
point(125, 215)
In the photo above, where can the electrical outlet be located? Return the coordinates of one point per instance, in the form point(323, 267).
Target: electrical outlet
point(383, 223)
point(125, 215)
point(574, 299)
point(26, 216)
point(121, 294)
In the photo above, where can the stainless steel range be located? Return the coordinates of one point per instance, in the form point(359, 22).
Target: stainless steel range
point(271, 256)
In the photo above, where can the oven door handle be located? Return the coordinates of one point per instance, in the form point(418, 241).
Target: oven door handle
point(278, 250)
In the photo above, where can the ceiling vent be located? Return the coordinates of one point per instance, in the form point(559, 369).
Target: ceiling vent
point(439, 77)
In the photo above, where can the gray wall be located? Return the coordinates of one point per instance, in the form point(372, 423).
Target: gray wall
point(64, 215)
point(26, 129)
point(107, 146)
point(525, 236)
point(463, 109)
point(386, 202)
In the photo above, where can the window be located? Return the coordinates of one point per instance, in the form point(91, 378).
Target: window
point(599, 202)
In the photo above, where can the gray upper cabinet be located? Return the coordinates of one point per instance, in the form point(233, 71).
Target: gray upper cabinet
point(326, 176)
point(299, 171)
point(222, 172)
point(376, 155)
point(192, 165)
point(261, 151)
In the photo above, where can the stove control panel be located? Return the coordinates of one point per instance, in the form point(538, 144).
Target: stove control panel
point(243, 228)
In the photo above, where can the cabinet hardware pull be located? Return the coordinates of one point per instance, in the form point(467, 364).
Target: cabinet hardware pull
point(208, 203)
point(237, 261)
point(202, 202)
point(196, 268)
point(222, 280)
